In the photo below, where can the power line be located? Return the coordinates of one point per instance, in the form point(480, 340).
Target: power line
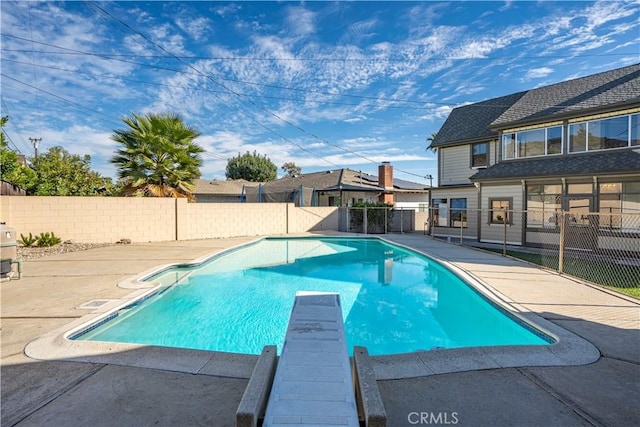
point(201, 74)
point(280, 98)
point(82, 107)
point(212, 80)
point(12, 121)
point(327, 59)
point(247, 98)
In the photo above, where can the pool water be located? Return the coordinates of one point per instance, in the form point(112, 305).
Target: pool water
point(393, 300)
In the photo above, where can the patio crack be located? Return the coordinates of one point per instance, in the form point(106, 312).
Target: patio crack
point(570, 404)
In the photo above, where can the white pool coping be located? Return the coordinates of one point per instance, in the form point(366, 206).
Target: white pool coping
point(569, 349)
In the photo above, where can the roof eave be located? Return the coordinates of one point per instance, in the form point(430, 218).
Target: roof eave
point(566, 115)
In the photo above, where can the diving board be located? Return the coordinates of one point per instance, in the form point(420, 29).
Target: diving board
point(313, 383)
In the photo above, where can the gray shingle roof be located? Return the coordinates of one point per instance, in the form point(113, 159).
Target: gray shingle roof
point(480, 120)
point(231, 187)
point(345, 179)
point(471, 122)
point(585, 93)
point(601, 162)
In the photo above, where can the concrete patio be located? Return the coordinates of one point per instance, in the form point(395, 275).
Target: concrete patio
point(71, 393)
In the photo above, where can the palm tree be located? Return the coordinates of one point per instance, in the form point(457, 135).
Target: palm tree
point(430, 139)
point(158, 157)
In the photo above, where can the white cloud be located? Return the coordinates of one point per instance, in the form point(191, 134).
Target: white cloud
point(538, 73)
point(197, 27)
point(301, 21)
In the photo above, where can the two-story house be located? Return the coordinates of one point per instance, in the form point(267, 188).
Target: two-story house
point(573, 146)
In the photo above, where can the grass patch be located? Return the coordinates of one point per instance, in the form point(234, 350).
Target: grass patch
point(619, 277)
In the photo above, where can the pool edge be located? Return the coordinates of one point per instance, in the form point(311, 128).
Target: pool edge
point(570, 349)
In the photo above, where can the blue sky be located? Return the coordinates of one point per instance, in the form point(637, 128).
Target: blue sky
point(322, 84)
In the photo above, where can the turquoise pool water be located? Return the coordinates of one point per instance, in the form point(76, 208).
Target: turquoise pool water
point(394, 301)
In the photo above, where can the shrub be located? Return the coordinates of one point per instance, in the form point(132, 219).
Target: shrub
point(48, 239)
point(28, 241)
point(375, 217)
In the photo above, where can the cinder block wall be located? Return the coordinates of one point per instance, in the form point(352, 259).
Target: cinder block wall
point(109, 219)
point(312, 219)
point(212, 220)
point(92, 219)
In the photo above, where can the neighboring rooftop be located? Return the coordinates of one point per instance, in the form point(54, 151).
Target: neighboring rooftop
point(342, 179)
point(214, 186)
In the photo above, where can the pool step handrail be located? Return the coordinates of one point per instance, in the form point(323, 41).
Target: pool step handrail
point(368, 399)
point(313, 382)
point(254, 400)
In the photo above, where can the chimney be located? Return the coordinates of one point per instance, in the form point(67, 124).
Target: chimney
point(385, 180)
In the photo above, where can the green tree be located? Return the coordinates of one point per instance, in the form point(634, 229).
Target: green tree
point(159, 157)
point(291, 169)
point(252, 167)
point(60, 173)
point(11, 169)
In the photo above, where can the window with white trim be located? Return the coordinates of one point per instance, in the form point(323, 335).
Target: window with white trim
point(604, 134)
point(532, 143)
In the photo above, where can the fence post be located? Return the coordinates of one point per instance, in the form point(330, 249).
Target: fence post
point(365, 226)
point(401, 221)
point(504, 233)
point(462, 226)
point(384, 212)
point(348, 220)
point(563, 219)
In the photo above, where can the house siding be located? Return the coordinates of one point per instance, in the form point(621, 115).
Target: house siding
point(494, 233)
point(455, 165)
point(469, 193)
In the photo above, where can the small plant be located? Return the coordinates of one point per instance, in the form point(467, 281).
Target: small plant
point(28, 241)
point(48, 239)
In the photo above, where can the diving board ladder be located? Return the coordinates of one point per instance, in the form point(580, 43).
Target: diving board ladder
point(313, 383)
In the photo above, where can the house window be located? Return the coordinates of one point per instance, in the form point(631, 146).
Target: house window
point(617, 200)
point(500, 211)
point(440, 212)
point(332, 201)
point(554, 140)
point(458, 216)
point(578, 138)
point(544, 203)
point(532, 143)
point(635, 130)
point(509, 146)
point(615, 132)
point(480, 155)
point(423, 207)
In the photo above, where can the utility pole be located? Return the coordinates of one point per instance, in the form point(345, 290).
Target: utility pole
point(430, 178)
point(35, 142)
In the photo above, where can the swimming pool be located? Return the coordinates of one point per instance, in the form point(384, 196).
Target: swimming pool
point(394, 301)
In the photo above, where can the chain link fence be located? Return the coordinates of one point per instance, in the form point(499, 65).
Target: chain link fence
point(602, 248)
point(377, 220)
